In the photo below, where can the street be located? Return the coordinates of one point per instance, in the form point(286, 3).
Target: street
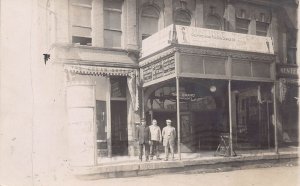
point(274, 176)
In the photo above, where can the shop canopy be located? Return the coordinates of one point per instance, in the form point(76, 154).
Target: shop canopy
point(192, 52)
point(100, 71)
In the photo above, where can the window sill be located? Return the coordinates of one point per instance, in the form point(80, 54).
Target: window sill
point(98, 48)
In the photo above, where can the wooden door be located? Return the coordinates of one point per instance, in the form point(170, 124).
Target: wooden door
point(119, 130)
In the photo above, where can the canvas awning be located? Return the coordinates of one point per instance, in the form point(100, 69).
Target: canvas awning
point(100, 71)
point(131, 74)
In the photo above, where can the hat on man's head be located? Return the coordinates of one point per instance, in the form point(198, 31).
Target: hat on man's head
point(168, 120)
point(143, 120)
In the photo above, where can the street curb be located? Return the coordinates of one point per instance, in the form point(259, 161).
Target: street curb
point(215, 164)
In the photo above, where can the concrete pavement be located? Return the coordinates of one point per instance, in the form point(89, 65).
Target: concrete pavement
point(286, 174)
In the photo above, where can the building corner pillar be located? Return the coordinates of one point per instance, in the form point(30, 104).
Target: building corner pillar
point(168, 10)
point(97, 23)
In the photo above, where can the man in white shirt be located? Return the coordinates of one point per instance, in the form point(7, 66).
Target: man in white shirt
point(155, 139)
point(169, 135)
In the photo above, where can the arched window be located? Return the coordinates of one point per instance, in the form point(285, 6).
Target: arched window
point(213, 22)
point(149, 21)
point(182, 18)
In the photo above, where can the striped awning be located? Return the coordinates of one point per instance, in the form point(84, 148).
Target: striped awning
point(100, 71)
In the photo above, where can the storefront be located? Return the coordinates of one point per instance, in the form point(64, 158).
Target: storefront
point(288, 104)
point(208, 83)
point(102, 108)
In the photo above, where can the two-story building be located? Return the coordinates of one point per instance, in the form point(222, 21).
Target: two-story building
point(214, 67)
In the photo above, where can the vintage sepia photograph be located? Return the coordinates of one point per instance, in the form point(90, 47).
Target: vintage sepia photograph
point(149, 92)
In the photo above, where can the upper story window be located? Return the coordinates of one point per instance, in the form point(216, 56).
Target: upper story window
point(291, 46)
point(262, 28)
point(213, 20)
point(182, 17)
point(149, 21)
point(262, 17)
point(113, 23)
point(81, 21)
point(262, 25)
point(242, 23)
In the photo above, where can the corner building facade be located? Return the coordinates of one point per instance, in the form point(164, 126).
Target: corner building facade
point(214, 67)
point(227, 79)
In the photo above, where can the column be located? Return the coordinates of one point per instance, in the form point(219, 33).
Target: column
point(62, 21)
point(82, 127)
point(230, 118)
point(131, 27)
point(199, 13)
point(178, 117)
point(233, 118)
point(97, 23)
point(252, 26)
point(108, 111)
point(143, 103)
point(273, 31)
point(275, 118)
point(230, 16)
point(168, 10)
point(284, 47)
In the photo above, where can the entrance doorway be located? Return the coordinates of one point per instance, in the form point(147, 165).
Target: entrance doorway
point(202, 112)
point(119, 136)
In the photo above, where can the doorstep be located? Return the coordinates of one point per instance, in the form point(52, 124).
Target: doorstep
point(128, 169)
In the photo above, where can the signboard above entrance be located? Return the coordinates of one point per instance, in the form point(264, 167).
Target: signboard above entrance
point(289, 71)
point(223, 40)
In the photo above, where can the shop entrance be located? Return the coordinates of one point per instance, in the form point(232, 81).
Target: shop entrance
point(254, 109)
point(119, 136)
point(203, 113)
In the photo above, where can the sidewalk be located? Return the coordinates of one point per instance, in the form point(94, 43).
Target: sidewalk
point(131, 166)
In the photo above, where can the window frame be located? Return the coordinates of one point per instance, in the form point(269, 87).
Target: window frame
point(211, 26)
point(187, 13)
point(241, 29)
point(112, 30)
point(73, 25)
point(158, 16)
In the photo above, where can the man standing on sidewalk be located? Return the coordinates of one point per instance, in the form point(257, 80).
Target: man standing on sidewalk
point(143, 137)
point(169, 135)
point(155, 139)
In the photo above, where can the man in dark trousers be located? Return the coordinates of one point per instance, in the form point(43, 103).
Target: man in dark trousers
point(143, 137)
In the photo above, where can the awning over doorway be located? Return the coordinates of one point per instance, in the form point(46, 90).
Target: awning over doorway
point(100, 71)
point(131, 74)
